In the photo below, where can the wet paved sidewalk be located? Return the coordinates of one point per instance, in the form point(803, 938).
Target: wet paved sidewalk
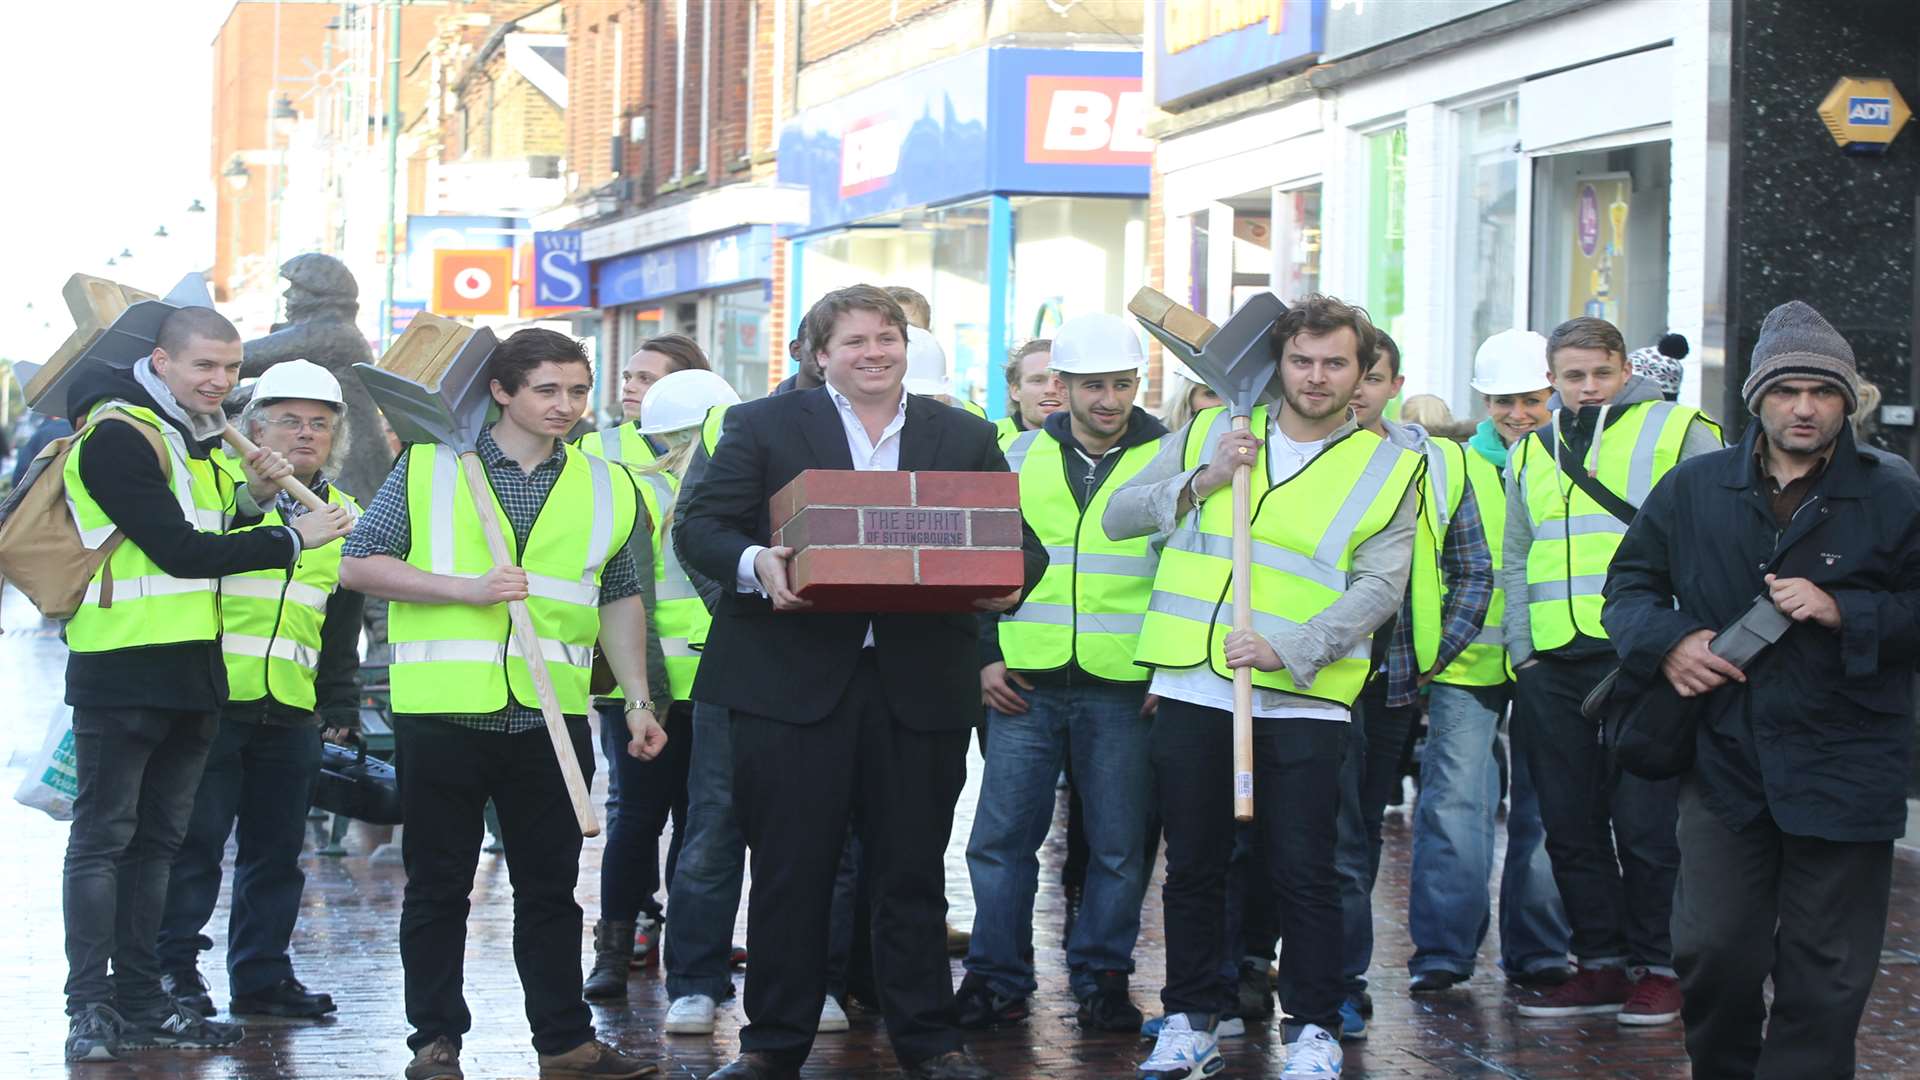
point(346, 945)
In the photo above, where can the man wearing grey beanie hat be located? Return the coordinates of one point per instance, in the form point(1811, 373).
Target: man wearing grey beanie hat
point(1796, 343)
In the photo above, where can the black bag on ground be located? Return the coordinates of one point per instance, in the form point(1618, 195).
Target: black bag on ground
point(354, 785)
point(1651, 734)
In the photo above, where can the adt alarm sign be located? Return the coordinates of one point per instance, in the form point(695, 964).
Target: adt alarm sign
point(559, 278)
point(1877, 111)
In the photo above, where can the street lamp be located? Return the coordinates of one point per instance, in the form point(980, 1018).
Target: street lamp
point(126, 253)
point(236, 173)
point(161, 232)
point(284, 116)
point(196, 208)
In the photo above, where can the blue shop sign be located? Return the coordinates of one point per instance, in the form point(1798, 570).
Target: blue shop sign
point(708, 262)
point(559, 276)
point(1027, 121)
point(1203, 45)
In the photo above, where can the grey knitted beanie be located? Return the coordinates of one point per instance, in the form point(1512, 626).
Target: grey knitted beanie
point(1796, 343)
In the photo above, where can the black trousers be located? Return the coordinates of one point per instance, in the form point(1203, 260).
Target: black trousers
point(641, 797)
point(1611, 842)
point(447, 773)
point(1296, 795)
point(795, 788)
point(1810, 913)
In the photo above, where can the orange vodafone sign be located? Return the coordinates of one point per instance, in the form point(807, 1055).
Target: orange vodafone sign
point(476, 282)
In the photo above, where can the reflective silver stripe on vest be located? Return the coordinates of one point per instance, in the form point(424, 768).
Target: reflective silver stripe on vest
point(446, 474)
point(254, 588)
point(677, 648)
point(1271, 556)
point(1579, 585)
point(1134, 566)
point(1438, 482)
point(1221, 423)
point(600, 541)
point(1111, 622)
point(1366, 488)
point(613, 443)
point(487, 652)
point(578, 593)
point(1044, 614)
point(1017, 449)
point(1265, 624)
point(1489, 635)
point(282, 649)
point(1640, 476)
point(674, 583)
point(1580, 525)
point(125, 589)
point(1059, 555)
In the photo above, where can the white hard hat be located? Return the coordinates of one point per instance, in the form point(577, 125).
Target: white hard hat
point(302, 379)
point(926, 364)
point(1175, 367)
point(1096, 345)
point(681, 400)
point(1511, 362)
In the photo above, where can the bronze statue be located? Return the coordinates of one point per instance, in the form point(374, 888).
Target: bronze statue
point(322, 299)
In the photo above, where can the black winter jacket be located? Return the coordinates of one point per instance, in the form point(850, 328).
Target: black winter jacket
point(1818, 737)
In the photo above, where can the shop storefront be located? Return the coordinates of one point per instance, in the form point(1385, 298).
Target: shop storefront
point(1007, 185)
point(1464, 183)
point(714, 289)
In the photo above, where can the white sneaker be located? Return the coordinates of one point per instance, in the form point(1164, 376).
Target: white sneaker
point(690, 1015)
point(1316, 1053)
point(832, 1017)
point(1181, 1053)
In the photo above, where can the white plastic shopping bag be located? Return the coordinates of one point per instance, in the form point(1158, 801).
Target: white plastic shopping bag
point(51, 783)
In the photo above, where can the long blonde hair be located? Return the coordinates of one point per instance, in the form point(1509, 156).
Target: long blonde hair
point(680, 446)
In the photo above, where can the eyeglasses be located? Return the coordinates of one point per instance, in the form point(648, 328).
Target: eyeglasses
point(319, 425)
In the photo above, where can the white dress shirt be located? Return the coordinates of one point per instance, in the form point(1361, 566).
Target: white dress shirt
point(868, 456)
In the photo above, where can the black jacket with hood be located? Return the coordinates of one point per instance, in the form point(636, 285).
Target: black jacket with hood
point(1818, 736)
point(1084, 475)
point(120, 471)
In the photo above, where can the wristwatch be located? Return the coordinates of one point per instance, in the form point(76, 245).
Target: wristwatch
point(633, 706)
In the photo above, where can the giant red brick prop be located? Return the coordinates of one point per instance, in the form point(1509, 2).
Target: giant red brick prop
point(898, 541)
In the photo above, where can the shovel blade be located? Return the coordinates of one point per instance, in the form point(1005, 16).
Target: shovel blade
point(1237, 362)
point(452, 411)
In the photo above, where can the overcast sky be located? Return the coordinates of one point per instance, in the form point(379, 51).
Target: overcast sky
point(108, 128)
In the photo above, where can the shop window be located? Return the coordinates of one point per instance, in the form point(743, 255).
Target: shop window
point(1073, 256)
point(1600, 239)
point(1296, 255)
point(740, 346)
point(1252, 246)
point(1385, 254)
point(1197, 260)
point(1484, 236)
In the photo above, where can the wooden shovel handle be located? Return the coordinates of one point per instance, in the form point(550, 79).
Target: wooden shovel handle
point(1242, 620)
point(245, 448)
point(529, 640)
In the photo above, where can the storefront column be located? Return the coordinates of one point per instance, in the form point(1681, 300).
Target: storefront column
point(999, 292)
point(797, 303)
point(1423, 325)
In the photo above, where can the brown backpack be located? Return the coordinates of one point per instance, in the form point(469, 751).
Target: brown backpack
point(40, 548)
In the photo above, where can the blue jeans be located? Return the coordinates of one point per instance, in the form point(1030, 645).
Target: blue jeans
point(1449, 907)
point(1100, 726)
point(705, 893)
point(257, 784)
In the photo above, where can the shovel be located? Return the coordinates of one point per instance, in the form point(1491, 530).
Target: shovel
point(115, 327)
point(446, 403)
point(1236, 362)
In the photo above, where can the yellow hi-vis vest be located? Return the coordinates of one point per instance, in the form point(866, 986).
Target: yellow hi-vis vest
point(272, 634)
point(462, 659)
point(626, 446)
point(1305, 531)
point(711, 428)
point(1483, 663)
point(1574, 537)
point(1088, 607)
point(146, 605)
point(680, 619)
point(1005, 430)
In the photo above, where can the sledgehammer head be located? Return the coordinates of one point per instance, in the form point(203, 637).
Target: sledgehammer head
point(114, 326)
point(432, 383)
point(1236, 361)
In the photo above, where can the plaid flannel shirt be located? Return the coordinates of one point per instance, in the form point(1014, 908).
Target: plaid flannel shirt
point(1466, 565)
point(385, 529)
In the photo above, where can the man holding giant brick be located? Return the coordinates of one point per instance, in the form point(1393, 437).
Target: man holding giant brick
point(1062, 687)
point(850, 667)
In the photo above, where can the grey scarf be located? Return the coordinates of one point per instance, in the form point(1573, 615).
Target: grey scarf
point(203, 428)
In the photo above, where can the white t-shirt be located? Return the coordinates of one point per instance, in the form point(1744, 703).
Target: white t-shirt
point(1200, 685)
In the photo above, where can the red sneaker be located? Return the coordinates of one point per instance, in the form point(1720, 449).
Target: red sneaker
point(1591, 992)
point(1655, 1000)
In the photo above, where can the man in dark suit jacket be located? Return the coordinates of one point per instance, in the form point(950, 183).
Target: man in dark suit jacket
point(840, 715)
